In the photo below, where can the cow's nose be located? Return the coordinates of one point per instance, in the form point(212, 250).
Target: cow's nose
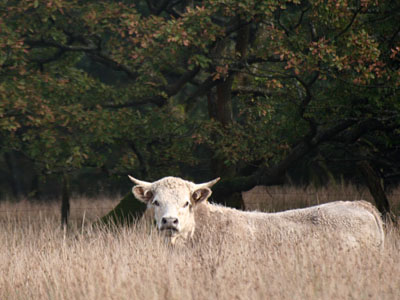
point(169, 221)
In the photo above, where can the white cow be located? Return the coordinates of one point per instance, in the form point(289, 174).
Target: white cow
point(181, 207)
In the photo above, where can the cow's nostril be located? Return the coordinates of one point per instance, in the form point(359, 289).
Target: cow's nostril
point(169, 221)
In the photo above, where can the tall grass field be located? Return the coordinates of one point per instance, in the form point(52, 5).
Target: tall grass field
point(39, 260)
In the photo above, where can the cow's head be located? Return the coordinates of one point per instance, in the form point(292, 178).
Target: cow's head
point(173, 200)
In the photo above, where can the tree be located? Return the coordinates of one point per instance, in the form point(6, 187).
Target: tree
point(243, 89)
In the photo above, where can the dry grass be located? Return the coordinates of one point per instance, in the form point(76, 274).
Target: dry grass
point(37, 261)
point(278, 198)
point(82, 209)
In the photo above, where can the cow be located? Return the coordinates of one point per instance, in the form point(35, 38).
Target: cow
point(181, 208)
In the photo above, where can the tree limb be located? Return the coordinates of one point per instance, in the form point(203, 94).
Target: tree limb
point(50, 43)
point(103, 58)
point(306, 101)
point(300, 18)
point(255, 91)
point(157, 100)
point(346, 131)
point(351, 136)
point(170, 90)
point(275, 174)
point(174, 88)
point(100, 56)
point(91, 49)
point(348, 25)
point(54, 57)
point(157, 9)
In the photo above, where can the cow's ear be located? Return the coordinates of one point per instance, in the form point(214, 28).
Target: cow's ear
point(142, 194)
point(201, 195)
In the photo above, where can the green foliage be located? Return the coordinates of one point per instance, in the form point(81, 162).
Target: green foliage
point(123, 87)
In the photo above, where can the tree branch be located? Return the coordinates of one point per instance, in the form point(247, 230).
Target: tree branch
point(348, 25)
point(49, 43)
point(49, 59)
point(275, 174)
point(157, 100)
point(306, 101)
point(300, 18)
point(350, 137)
point(92, 51)
point(278, 20)
point(103, 58)
point(171, 90)
point(174, 88)
point(157, 9)
point(100, 56)
point(256, 91)
point(209, 83)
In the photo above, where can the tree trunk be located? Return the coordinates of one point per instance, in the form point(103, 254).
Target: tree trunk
point(220, 109)
point(14, 178)
point(34, 191)
point(375, 187)
point(224, 89)
point(144, 167)
point(235, 200)
point(212, 105)
point(224, 101)
point(65, 205)
point(242, 41)
point(128, 210)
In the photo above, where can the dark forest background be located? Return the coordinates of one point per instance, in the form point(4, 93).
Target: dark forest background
point(254, 92)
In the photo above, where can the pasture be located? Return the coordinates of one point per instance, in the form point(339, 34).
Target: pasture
point(40, 261)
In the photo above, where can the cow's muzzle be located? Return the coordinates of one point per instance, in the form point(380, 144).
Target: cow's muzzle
point(169, 226)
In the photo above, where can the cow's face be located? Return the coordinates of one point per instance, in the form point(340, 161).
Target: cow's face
point(173, 200)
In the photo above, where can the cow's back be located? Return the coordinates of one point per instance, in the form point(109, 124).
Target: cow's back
point(350, 223)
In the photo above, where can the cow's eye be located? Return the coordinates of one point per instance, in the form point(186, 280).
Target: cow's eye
point(156, 203)
point(186, 204)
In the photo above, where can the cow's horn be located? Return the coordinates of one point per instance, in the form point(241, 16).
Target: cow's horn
point(139, 182)
point(207, 184)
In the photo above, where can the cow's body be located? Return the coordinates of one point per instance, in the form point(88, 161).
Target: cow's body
point(351, 223)
point(181, 209)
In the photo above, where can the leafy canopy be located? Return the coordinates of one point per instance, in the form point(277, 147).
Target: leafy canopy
point(161, 87)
